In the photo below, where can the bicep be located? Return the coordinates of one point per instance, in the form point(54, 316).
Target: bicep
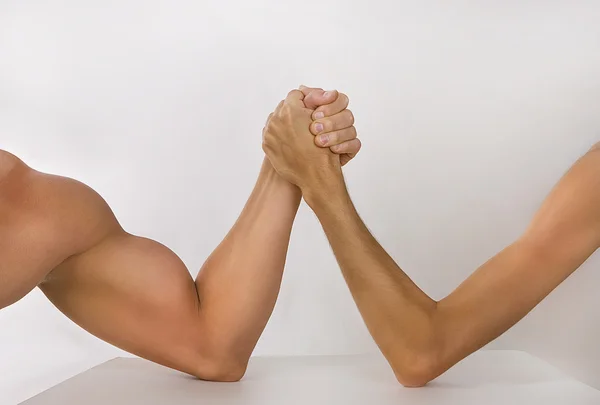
point(134, 293)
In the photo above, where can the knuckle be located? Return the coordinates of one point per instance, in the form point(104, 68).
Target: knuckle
point(286, 108)
point(333, 138)
point(350, 117)
point(285, 112)
point(269, 127)
point(269, 118)
point(352, 132)
point(345, 99)
point(270, 137)
point(295, 93)
point(338, 148)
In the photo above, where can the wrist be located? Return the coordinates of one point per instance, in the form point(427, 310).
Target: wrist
point(270, 177)
point(324, 190)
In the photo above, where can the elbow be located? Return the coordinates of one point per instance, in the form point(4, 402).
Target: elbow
point(222, 369)
point(417, 370)
point(220, 363)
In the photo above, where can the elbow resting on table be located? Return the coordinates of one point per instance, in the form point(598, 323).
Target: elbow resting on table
point(219, 363)
point(417, 370)
point(221, 369)
point(419, 360)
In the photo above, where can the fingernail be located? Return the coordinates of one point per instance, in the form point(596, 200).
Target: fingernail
point(319, 115)
point(318, 127)
point(323, 139)
point(327, 94)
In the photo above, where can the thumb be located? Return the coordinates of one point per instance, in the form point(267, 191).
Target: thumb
point(318, 97)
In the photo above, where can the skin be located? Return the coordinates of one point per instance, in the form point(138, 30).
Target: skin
point(420, 337)
point(61, 236)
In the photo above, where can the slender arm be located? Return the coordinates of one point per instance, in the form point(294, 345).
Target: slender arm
point(422, 338)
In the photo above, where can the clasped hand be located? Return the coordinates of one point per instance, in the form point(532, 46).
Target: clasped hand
point(310, 135)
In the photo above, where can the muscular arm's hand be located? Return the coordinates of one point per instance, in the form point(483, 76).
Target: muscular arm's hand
point(422, 338)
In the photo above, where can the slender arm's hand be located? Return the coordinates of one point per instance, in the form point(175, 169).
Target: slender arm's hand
point(422, 338)
point(333, 124)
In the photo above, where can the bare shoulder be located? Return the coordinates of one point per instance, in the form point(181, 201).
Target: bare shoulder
point(44, 220)
point(63, 210)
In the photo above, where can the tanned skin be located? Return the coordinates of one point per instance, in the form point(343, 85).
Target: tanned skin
point(420, 337)
point(61, 236)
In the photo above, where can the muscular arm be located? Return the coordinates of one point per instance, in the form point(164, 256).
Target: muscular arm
point(137, 294)
point(422, 338)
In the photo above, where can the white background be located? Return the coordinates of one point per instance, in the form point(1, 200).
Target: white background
point(469, 112)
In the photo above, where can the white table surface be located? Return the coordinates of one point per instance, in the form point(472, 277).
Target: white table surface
point(485, 378)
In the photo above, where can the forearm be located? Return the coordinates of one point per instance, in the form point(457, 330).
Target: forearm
point(239, 283)
point(397, 313)
point(496, 296)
